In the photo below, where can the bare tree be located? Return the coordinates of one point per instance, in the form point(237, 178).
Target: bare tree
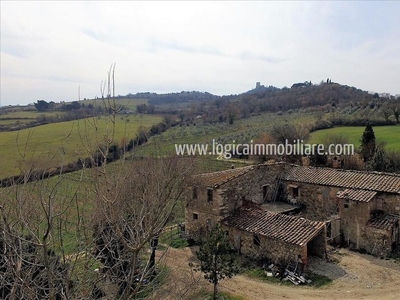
point(133, 200)
point(34, 223)
point(54, 233)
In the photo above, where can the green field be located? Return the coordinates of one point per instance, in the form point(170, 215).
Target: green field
point(388, 134)
point(25, 116)
point(61, 143)
point(126, 102)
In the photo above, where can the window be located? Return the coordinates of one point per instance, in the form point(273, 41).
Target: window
point(209, 195)
point(194, 193)
point(328, 229)
point(256, 240)
point(346, 203)
point(265, 192)
point(294, 190)
point(195, 216)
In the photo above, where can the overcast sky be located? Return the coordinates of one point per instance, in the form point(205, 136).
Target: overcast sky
point(49, 49)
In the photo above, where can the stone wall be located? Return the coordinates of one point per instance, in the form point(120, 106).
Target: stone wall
point(390, 203)
point(249, 186)
point(354, 219)
point(377, 241)
point(319, 201)
point(228, 197)
point(207, 212)
point(275, 250)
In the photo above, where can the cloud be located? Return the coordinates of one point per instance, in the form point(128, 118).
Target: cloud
point(221, 47)
point(270, 59)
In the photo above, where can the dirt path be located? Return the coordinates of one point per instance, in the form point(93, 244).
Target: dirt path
point(356, 276)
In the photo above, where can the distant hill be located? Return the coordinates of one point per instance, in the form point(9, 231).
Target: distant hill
point(303, 95)
point(169, 98)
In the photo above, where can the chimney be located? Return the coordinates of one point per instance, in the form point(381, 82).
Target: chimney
point(305, 161)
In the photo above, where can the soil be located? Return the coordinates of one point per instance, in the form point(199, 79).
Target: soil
point(355, 276)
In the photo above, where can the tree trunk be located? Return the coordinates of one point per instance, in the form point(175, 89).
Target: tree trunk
point(215, 291)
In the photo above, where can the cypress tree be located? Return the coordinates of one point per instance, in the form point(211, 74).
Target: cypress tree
point(368, 145)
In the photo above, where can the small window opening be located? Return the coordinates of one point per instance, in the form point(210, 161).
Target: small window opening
point(256, 240)
point(209, 195)
point(195, 216)
point(346, 203)
point(265, 192)
point(295, 192)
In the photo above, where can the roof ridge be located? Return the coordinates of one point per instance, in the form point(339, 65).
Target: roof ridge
point(226, 171)
point(344, 170)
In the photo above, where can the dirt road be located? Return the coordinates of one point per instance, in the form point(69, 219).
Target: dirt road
point(356, 276)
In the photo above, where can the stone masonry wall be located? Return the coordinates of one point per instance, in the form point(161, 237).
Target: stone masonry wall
point(390, 203)
point(208, 213)
point(275, 250)
point(377, 241)
point(353, 222)
point(320, 201)
point(249, 186)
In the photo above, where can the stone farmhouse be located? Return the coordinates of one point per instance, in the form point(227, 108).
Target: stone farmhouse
point(286, 212)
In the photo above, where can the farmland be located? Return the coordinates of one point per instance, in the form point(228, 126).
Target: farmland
point(17, 115)
point(388, 134)
point(25, 116)
point(61, 143)
point(126, 103)
point(242, 131)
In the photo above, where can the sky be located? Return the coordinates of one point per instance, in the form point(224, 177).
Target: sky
point(62, 51)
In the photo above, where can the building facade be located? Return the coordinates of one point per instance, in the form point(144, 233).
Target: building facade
point(358, 209)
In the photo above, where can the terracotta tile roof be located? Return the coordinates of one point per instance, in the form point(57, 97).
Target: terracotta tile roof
point(373, 181)
point(286, 228)
point(215, 179)
point(357, 195)
point(383, 221)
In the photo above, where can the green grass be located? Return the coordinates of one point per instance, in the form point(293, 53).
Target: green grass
point(126, 102)
point(61, 143)
point(172, 238)
point(388, 134)
point(260, 274)
point(25, 116)
point(319, 281)
point(28, 114)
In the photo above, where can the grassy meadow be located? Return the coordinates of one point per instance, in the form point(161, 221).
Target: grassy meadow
point(25, 116)
point(125, 102)
point(388, 134)
point(61, 143)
